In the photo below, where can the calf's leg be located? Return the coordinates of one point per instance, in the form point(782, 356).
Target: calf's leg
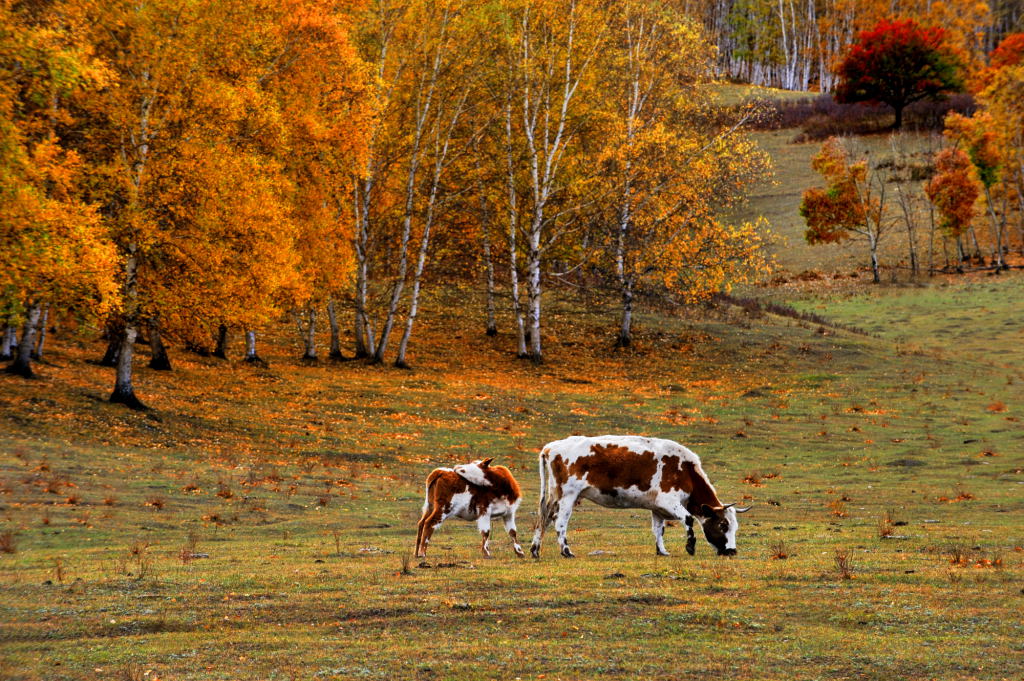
point(510, 527)
point(430, 521)
point(483, 523)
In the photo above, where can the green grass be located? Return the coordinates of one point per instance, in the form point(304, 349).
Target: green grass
point(295, 588)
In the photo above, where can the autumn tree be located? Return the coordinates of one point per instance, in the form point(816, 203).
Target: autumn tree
point(954, 190)
point(852, 203)
point(899, 63)
point(543, 74)
point(55, 250)
point(668, 170)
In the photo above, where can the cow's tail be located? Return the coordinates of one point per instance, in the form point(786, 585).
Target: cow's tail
point(542, 511)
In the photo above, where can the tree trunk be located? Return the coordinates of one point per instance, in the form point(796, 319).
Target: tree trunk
point(250, 350)
point(899, 117)
point(113, 333)
point(417, 279)
point(158, 357)
point(37, 352)
point(625, 338)
point(8, 339)
point(534, 294)
point(875, 277)
point(221, 350)
point(310, 337)
point(332, 318)
point(22, 365)
point(363, 328)
point(124, 391)
point(492, 324)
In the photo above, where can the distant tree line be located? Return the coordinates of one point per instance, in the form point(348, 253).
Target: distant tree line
point(795, 44)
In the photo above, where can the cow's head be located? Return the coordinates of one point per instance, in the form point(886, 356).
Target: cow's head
point(720, 525)
point(475, 472)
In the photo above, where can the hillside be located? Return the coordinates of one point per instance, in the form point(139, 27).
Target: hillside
point(258, 523)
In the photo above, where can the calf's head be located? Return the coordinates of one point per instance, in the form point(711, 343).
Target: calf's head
point(720, 525)
point(475, 472)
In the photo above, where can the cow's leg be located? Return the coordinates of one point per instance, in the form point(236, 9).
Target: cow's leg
point(546, 516)
point(658, 528)
point(510, 527)
point(691, 538)
point(483, 523)
point(430, 522)
point(565, 506)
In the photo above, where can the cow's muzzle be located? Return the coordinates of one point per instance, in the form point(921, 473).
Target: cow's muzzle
point(727, 552)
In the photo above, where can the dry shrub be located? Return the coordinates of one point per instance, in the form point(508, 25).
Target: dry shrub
point(837, 508)
point(778, 551)
point(131, 672)
point(960, 494)
point(407, 560)
point(7, 543)
point(224, 490)
point(844, 564)
point(959, 555)
point(73, 500)
point(156, 502)
point(886, 525)
point(110, 500)
point(996, 407)
point(58, 570)
point(323, 500)
point(192, 487)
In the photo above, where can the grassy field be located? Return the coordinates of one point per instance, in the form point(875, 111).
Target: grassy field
point(258, 523)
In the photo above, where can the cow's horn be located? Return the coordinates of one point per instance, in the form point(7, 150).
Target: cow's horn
point(741, 509)
point(486, 462)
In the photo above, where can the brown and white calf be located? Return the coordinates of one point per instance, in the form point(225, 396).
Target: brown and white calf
point(471, 491)
point(626, 471)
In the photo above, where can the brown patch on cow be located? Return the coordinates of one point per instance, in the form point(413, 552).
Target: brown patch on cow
point(559, 470)
point(503, 486)
point(678, 474)
point(614, 466)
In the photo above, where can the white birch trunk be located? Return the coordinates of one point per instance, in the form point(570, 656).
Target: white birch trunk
point(22, 364)
point(37, 353)
point(332, 318)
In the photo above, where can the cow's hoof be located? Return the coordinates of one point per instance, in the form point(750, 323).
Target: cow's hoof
point(520, 554)
point(566, 553)
point(691, 549)
point(664, 553)
point(535, 551)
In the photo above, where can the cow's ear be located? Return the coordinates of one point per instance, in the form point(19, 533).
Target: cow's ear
point(706, 511)
point(486, 462)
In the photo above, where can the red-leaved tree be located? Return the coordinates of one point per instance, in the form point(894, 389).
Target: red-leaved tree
point(899, 63)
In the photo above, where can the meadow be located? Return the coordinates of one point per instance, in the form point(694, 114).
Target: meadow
point(259, 522)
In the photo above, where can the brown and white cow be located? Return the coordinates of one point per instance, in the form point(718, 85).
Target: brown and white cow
point(471, 491)
point(626, 471)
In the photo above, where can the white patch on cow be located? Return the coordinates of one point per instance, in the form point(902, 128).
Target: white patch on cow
point(473, 473)
point(734, 524)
